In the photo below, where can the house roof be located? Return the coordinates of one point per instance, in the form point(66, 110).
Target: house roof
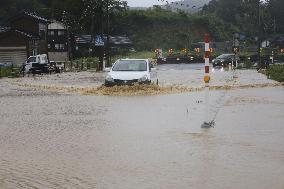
point(4, 30)
point(30, 15)
point(28, 35)
point(114, 40)
point(54, 24)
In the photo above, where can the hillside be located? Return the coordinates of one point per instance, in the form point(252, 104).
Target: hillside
point(186, 5)
point(158, 28)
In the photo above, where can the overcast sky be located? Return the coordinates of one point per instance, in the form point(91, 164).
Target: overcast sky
point(143, 3)
point(148, 3)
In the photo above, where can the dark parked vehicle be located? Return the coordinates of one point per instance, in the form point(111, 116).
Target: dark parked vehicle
point(224, 60)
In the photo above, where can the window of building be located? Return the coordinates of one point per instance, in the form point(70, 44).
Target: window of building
point(51, 32)
point(61, 46)
point(42, 34)
point(57, 46)
point(60, 33)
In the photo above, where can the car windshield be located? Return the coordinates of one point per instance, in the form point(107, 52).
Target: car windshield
point(32, 59)
point(224, 56)
point(130, 65)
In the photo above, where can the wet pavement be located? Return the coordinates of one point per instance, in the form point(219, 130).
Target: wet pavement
point(51, 139)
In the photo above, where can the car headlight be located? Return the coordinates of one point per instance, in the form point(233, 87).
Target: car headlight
point(222, 60)
point(143, 79)
point(109, 78)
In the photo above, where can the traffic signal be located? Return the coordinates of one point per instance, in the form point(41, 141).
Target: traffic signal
point(197, 50)
point(157, 51)
point(184, 50)
point(236, 49)
point(170, 51)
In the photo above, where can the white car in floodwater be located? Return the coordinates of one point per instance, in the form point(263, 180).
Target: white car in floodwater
point(131, 71)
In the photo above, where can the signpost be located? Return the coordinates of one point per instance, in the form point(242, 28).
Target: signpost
point(236, 49)
point(99, 42)
point(206, 123)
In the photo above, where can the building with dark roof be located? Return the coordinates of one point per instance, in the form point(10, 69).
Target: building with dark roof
point(25, 36)
point(83, 43)
point(113, 40)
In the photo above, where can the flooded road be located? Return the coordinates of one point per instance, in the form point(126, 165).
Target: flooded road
point(59, 140)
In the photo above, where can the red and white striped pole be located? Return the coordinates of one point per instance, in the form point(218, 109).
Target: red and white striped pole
point(206, 57)
point(206, 123)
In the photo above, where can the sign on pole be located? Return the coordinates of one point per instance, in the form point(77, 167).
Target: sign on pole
point(207, 123)
point(99, 41)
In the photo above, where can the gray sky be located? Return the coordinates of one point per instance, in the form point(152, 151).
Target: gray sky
point(143, 3)
point(147, 3)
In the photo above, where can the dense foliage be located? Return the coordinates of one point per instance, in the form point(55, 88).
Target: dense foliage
point(276, 72)
point(246, 14)
point(156, 27)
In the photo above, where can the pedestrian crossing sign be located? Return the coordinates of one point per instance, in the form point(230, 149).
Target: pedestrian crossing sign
point(99, 41)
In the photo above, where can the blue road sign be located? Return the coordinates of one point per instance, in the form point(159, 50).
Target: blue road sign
point(99, 41)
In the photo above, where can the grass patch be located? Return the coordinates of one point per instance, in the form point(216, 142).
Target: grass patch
point(9, 72)
point(83, 64)
point(276, 72)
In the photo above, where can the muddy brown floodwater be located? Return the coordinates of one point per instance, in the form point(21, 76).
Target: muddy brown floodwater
point(52, 139)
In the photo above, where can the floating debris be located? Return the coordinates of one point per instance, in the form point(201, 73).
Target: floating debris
point(206, 125)
point(139, 90)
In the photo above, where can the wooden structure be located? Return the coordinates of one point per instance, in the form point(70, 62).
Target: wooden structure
point(25, 36)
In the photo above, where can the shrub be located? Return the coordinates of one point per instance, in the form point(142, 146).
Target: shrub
point(84, 63)
point(276, 72)
point(5, 71)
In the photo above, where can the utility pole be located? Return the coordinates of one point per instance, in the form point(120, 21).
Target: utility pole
point(259, 35)
point(101, 31)
point(274, 25)
point(92, 35)
point(108, 37)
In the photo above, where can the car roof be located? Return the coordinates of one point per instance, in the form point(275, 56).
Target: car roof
point(133, 59)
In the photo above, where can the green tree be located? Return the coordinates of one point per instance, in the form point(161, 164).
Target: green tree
point(275, 8)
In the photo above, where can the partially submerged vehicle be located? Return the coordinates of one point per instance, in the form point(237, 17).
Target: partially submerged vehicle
point(225, 59)
point(131, 71)
point(37, 64)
